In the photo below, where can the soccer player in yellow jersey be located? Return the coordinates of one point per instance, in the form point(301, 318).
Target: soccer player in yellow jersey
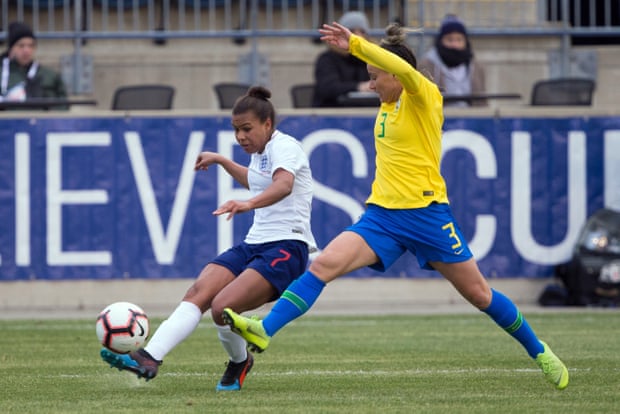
point(407, 209)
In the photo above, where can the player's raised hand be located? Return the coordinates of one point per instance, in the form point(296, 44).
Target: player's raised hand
point(205, 159)
point(336, 35)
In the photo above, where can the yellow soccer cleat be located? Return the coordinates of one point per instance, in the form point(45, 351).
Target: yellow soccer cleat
point(552, 367)
point(250, 329)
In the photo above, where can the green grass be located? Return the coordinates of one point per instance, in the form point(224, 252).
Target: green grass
point(383, 364)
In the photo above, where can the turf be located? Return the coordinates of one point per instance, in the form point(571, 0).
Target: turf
point(344, 364)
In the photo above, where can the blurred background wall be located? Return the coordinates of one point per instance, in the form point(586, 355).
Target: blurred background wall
point(192, 44)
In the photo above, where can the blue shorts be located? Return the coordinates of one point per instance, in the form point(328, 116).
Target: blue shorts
point(430, 233)
point(280, 262)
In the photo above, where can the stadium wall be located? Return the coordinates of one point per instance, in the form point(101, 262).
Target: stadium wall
point(193, 66)
point(88, 202)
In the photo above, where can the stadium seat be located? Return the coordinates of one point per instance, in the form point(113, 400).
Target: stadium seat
point(143, 97)
point(228, 92)
point(565, 91)
point(302, 95)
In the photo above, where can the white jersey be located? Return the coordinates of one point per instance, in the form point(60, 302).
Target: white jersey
point(289, 218)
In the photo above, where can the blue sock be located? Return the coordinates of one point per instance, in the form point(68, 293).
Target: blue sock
point(504, 312)
point(294, 302)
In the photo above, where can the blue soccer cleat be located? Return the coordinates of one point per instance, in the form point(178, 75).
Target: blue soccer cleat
point(235, 373)
point(139, 362)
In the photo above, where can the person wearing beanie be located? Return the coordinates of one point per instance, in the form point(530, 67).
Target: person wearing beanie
point(451, 64)
point(337, 72)
point(22, 77)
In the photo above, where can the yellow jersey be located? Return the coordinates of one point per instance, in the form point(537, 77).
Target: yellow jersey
point(407, 135)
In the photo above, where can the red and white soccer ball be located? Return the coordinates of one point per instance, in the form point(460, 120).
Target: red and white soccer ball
point(122, 327)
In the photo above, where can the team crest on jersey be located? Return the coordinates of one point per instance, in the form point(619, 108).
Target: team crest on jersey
point(264, 166)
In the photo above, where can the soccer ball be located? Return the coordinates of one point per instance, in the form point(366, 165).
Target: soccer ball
point(122, 327)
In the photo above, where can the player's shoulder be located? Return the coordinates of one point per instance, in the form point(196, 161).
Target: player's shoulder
point(284, 146)
point(281, 139)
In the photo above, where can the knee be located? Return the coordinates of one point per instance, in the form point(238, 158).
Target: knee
point(194, 296)
point(324, 268)
point(192, 292)
point(480, 297)
point(217, 307)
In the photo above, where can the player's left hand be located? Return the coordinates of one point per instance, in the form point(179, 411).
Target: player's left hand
point(232, 207)
point(336, 35)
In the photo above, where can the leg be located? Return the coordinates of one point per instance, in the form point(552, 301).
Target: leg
point(467, 279)
point(248, 291)
point(185, 318)
point(470, 283)
point(179, 325)
point(345, 253)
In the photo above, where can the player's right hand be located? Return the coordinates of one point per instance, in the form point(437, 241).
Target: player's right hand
point(205, 159)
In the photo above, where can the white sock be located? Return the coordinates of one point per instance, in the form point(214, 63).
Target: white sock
point(232, 343)
point(179, 325)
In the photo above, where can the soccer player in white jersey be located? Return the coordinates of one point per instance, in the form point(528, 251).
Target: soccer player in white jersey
point(256, 271)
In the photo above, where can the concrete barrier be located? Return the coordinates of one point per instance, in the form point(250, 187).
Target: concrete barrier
point(344, 296)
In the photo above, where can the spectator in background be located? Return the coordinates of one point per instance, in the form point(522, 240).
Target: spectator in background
point(337, 72)
point(22, 76)
point(451, 64)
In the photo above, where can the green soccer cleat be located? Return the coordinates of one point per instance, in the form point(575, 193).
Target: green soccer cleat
point(554, 370)
point(250, 329)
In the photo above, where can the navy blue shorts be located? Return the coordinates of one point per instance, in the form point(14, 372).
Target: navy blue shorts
point(430, 233)
point(280, 262)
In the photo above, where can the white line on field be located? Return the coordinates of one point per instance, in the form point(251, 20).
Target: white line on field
point(330, 373)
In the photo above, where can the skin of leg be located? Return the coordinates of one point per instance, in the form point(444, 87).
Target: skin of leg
point(217, 287)
point(468, 281)
point(248, 291)
point(346, 252)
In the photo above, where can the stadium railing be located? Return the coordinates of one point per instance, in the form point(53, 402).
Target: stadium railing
point(253, 20)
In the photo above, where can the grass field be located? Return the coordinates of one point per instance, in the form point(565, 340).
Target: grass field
point(320, 364)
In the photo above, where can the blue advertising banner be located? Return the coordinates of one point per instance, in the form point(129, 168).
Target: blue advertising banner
point(114, 198)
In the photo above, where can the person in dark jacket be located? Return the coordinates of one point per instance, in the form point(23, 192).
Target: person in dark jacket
point(452, 66)
point(337, 72)
point(22, 76)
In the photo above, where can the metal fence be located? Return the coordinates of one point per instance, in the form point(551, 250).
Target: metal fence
point(251, 20)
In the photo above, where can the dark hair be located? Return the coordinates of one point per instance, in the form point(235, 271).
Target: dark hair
point(396, 42)
point(256, 100)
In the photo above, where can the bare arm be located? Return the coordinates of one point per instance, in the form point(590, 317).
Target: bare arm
point(373, 54)
point(236, 171)
point(281, 186)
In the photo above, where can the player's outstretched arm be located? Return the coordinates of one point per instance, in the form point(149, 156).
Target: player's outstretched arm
point(237, 171)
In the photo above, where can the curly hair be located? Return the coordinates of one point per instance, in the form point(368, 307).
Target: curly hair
point(396, 42)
